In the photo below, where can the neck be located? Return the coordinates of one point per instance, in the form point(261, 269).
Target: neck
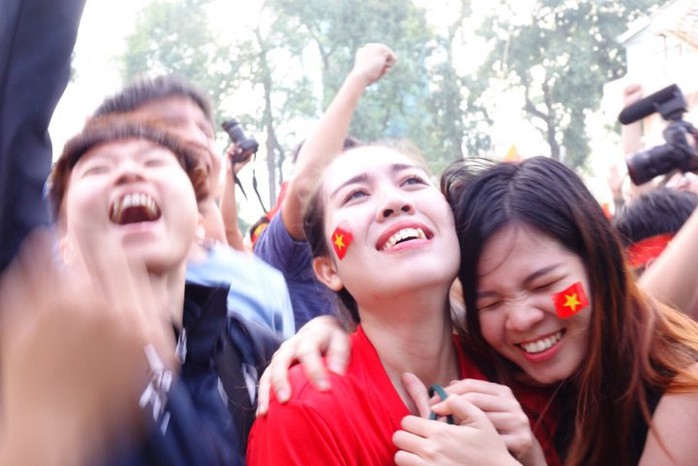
point(411, 335)
point(168, 295)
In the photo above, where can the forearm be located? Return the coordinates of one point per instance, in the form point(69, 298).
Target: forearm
point(672, 277)
point(319, 149)
point(229, 211)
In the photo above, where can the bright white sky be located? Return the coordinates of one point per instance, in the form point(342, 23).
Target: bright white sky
point(101, 39)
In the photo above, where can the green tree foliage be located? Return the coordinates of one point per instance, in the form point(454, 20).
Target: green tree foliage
point(560, 54)
point(296, 57)
point(173, 36)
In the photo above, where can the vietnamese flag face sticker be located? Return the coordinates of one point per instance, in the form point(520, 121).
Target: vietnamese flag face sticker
point(341, 239)
point(570, 301)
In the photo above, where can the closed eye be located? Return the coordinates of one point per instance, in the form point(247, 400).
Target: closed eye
point(543, 286)
point(154, 162)
point(489, 306)
point(93, 170)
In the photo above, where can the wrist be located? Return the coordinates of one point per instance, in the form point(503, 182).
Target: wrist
point(359, 80)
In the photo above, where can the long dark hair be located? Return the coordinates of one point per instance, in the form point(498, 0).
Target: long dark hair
point(636, 347)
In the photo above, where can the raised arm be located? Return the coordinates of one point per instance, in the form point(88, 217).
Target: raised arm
point(672, 277)
point(372, 61)
point(229, 207)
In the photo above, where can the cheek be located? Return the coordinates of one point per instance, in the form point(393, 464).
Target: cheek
point(181, 195)
point(81, 204)
point(491, 326)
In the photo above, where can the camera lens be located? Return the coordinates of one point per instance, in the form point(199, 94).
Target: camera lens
point(644, 166)
point(234, 130)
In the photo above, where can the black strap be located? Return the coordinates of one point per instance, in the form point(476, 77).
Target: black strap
point(442, 394)
point(254, 183)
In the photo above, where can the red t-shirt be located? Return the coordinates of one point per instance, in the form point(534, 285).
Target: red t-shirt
point(351, 424)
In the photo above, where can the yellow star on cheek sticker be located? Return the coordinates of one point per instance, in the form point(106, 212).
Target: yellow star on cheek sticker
point(572, 302)
point(341, 239)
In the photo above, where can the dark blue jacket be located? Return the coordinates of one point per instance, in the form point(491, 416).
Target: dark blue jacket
point(209, 410)
point(36, 42)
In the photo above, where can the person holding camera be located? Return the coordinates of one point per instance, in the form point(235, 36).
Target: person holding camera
point(237, 155)
point(672, 275)
point(283, 244)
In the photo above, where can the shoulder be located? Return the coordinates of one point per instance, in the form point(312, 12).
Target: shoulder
point(223, 262)
point(321, 425)
point(276, 239)
point(674, 424)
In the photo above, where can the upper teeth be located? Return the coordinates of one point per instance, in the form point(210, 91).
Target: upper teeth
point(133, 200)
point(542, 344)
point(403, 234)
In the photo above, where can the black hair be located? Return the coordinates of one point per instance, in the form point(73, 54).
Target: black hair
point(656, 212)
point(146, 90)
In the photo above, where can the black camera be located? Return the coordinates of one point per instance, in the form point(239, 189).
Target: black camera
point(246, 146)
point(678, 153)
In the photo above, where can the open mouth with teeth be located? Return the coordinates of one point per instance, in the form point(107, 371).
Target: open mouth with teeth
point(403, 235)
point(134, 208)
point(543, 344)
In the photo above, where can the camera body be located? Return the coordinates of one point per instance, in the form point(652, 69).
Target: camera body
point(678, 153)
point(246, 145)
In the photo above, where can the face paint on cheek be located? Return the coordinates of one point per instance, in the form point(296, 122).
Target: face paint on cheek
point(341, 239)
point(570, 300)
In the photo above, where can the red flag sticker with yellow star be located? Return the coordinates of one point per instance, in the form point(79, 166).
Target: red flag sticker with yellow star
point(570, 301)
point(341, 239)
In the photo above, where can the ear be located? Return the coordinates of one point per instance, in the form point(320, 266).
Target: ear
point(326, 272)
point(66, 248)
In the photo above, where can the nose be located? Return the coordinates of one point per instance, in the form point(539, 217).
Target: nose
point(129, 170)
point(394, 203)
point(522, 315)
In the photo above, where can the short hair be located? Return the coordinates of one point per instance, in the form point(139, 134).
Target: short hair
point(656, 212)
point(146, 90)
point(107, 129)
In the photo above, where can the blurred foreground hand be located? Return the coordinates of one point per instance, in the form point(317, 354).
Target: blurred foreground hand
point(72, 363)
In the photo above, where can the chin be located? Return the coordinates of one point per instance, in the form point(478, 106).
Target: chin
point(157, 263)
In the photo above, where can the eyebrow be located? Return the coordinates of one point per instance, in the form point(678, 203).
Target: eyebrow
point(527, 281)
point(363, 177)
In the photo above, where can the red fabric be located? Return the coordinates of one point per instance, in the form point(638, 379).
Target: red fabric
point(341, 239)
point(352, 424)
point(543, 416)
point(640, 253)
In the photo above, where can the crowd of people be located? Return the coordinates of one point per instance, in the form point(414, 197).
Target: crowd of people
point(499, 318)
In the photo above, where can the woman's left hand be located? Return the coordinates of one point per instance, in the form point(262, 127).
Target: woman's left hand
point(504, 411)
point(472, 441)
point(500, 406)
